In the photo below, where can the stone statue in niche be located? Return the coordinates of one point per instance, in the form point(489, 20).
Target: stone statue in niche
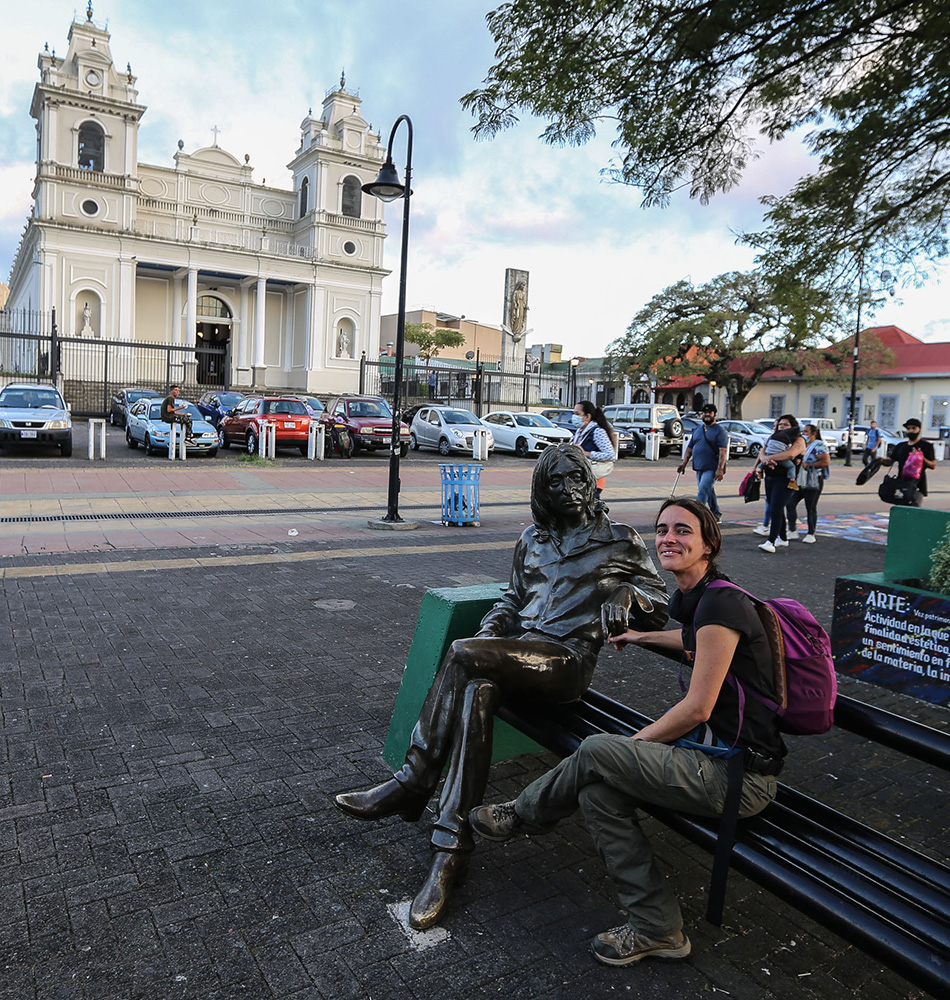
point(516, 304)
point(528, 646)
point(343, 344)
point(87, 330)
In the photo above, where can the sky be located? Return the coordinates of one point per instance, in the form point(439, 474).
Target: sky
point(253, 70)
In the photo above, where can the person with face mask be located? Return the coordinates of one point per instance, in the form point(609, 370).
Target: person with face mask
point(913, 443)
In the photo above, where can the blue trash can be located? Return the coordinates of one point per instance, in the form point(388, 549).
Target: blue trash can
point(460, 500)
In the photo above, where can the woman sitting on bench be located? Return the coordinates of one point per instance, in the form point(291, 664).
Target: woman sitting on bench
point(672, 761)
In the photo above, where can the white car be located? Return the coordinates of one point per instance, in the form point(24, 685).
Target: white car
point(752, 433)
point(446, 428)
point(35, 414)
point(524, 433)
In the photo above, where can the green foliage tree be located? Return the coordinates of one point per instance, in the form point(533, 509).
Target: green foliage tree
point(430, 340)
point(736, 329)
point(939, 581)
point(690, 85)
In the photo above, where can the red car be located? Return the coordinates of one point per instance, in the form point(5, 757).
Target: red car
point(369, 421)
point(242, 425)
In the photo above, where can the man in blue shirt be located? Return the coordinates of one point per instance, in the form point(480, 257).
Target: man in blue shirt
point(709, 448)
point(872, 443)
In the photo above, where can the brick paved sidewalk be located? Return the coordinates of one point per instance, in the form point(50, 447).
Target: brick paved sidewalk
point(174, 728)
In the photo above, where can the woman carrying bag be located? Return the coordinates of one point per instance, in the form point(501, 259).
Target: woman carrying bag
point(811, 480)
point(597, 439)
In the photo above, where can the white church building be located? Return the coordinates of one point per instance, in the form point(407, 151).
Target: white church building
point(198, 253)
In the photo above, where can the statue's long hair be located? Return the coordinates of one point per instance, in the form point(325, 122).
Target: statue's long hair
point(543, 512)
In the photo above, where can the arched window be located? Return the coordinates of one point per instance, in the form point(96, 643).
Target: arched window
point(304, 196)
point(352, 197)
point(641, 396)
point(92, 146)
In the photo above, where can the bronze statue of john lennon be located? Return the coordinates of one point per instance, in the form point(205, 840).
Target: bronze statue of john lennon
point(576, 578)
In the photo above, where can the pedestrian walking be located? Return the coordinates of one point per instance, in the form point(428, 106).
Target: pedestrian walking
point(872, 443)
point(815, 461)
point(709, 449)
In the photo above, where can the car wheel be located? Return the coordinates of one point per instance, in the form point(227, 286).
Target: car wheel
point(413, 443)
point(223, 442)
point(639, 446)
point(304, 449)
point(754, 449)
point(403, 450)
point(673, 428)
point(111, 418)
point(445, 448)
point(130, 441)
point(353, 449)
point(66, 448)
point(147, 445)
point(251, 443)
point(521, 448)
point(212, 452)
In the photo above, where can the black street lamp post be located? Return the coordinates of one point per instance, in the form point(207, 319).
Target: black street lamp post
point(887, 279)
point(387, 187)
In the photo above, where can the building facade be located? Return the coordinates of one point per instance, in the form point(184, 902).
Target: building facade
point(199, 253)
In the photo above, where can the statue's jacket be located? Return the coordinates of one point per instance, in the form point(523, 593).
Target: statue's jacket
point(557, 589)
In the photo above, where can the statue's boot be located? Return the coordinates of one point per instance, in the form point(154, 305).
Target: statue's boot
point(449, 868)
point(391, 798)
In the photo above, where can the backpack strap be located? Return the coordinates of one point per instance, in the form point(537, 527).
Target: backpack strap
point(726, 838)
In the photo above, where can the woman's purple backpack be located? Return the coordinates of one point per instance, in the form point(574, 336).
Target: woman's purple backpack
point(805, 679)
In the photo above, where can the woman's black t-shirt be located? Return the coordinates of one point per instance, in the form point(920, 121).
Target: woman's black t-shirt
point(751, 665)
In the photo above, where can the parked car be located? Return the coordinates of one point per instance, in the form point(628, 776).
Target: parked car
point(738, 446)
point(644, 418)
point(122, 400)
point(35, 414)
point(242, 425)
point(214, 404)
point(754, 435)
point(446, 428)
point(630, 442)
point(839, 437)
point(144, 426)
point(369, 421)
point(314, 405)
point(524, 433)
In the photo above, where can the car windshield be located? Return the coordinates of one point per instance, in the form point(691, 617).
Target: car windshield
point(229, 399)
point(136, 394)
point(369, 408)
point(314, 403)
point(532, 420)
point(30, 399)
point(459, 417)
point(155, 410)
point(285, 406)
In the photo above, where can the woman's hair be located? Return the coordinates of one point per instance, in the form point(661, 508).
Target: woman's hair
point(542, 509)
point(596, 414)
point(708, 529)
point(793, 422)
point(813, 429)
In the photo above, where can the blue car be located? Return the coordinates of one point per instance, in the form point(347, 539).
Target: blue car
point(215, 404)
point(145, 427)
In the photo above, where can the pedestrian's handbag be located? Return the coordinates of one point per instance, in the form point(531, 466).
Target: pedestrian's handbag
point(808, 479)
point(753, 489)
point(602, 469)
point(901, 493)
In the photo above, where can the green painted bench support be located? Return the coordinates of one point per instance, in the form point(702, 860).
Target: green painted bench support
point(912, 535)
point(445, 615)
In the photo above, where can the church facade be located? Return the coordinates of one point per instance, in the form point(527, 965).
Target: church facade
point(198, 254)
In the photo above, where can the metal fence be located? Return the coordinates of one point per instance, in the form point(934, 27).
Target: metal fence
point(90, 371)
point(480, 387)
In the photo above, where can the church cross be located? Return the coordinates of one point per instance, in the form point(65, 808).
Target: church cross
point(215, 132)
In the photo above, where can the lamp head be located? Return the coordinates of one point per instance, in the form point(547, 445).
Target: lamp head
point(387, 186)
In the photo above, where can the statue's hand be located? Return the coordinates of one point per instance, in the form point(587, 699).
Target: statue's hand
point(614, 618)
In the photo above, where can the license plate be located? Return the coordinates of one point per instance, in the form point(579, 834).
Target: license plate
point(27, 434)
point(289, 423)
